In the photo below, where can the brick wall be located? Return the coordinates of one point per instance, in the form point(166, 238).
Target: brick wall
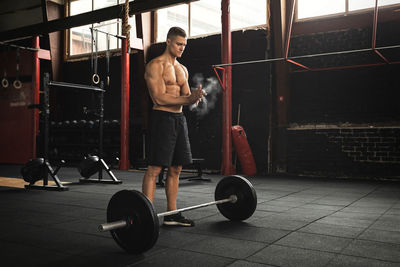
point(344, 151)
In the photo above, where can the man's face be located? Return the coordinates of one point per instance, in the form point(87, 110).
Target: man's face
point(176, 45)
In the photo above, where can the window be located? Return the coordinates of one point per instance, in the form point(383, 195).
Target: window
point(80, 38)
point(204, 17)
point(317, 8)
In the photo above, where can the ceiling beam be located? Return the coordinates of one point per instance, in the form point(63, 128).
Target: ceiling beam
point(108, 13)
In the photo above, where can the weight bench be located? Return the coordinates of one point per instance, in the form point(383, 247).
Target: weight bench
point(196, 163)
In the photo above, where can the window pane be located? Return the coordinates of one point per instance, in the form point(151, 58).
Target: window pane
point(248, 13)
point(80, 36)
point(363, 4)
point(81, 6)
point(110, 26)
point(80, 40)
point(314, 8)
point(388, 2)
point(170, 17)
point(104, 3)
point(360, 4)
point(206, 17)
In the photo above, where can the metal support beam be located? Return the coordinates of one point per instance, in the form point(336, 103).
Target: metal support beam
point(108, 13)
point(226, 52)
point(36, 89)
point(124, 162)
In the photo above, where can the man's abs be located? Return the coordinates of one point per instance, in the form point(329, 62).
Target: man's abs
point(173, 90)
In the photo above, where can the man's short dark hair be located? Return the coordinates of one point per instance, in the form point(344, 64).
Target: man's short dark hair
point(176, 31)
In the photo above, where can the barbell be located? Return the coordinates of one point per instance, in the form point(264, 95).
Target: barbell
point(134, 225)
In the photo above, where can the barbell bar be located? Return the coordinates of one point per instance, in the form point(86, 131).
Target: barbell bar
point(135, 226)
point(124, 223)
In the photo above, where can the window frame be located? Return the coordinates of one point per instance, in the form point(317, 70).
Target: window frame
point(346, 13)
point(85, 56)
point(189, 36)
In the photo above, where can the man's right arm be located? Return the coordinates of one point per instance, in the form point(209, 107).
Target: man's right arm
point(158, 91)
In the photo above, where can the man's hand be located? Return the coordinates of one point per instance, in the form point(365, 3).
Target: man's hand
point(196, 95)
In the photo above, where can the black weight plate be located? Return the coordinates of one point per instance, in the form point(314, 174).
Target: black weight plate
point(246, 203)
point(34, 170)
point(142, 234)
point(89, 166)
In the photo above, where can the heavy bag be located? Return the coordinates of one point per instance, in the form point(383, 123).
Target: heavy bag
point(243, 150)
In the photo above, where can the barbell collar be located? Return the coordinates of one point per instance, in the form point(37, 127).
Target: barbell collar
point(113, 225)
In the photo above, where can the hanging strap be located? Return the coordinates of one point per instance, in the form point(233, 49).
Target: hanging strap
point(108, 61)
point(4, 80)
point(95, 77)
point(17, 83)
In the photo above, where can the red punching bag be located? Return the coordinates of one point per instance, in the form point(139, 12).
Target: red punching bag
point(243, 150)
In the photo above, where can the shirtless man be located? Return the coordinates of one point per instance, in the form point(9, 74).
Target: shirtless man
point(167, 81)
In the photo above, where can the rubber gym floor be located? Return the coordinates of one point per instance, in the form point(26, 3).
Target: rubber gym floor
point(299, 221)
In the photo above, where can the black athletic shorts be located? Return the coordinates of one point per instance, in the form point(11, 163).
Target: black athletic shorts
point(169, 140)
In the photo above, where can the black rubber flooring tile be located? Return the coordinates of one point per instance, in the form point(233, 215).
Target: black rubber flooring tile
point(58, 240)
point(321, 207)
point(315, 242)
point(171, 238)
point(225, 247)
point(84, 226)
point(374, 250)
point(350, 261)
point(242, 263)
point(24, 255)
point(34, 218)
point(388, 223)
point(393, 211)
point(287, 256)
point(174, 257)
point(279, 223)
point(286, 204)
point(332, 230)
point(266, 206)
point(381, 236)
point(245, 231)
point(374, 210)
point(345, 221)
point(356, 215)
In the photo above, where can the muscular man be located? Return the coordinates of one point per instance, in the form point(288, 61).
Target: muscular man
point(167, 81)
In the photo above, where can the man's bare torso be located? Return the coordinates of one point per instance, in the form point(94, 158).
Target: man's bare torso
point(174, 78)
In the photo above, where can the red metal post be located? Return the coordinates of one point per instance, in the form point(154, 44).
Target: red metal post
point(226, 53)
point(124, 160)
point(374, 27)
point(36, 89)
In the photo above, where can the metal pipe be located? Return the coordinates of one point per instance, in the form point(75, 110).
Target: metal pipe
point(75, 86)
point(226, 54)
point(36, 93)
point(124, 163)
point(114, 35)
point(124, 223)
point(289, 32)
point(232, 199)
point(34, 49)
point(306, 56)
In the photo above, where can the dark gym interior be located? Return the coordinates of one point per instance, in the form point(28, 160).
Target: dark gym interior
point(317, 97)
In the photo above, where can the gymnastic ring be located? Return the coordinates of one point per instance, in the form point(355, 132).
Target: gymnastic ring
point(95, 78)
point(108, 80)
point(17, 84)
point(4, 82)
